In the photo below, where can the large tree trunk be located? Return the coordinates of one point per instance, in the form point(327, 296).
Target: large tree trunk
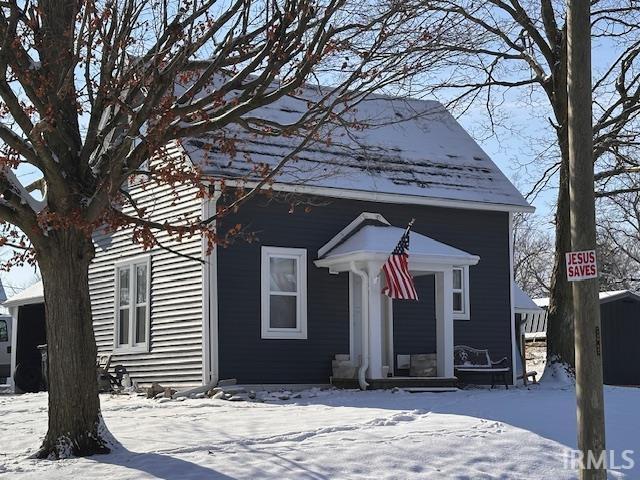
point(75, 423)
point(560, 344)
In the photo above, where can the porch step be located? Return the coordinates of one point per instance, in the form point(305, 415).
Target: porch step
point(430, 389)
point(408, 383)
point(412, 382)
point(5, 389)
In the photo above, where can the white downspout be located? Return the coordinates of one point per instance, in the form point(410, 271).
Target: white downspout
point(364, 277)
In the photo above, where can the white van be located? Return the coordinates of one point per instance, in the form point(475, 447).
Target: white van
point(5, 347)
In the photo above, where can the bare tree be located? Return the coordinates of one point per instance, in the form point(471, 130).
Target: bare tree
point(619, 242)
point(521, 46)
point(616, 269)
point(533, 255)
point(91, 90)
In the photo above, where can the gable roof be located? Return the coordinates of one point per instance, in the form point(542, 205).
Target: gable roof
point(365, 218)
point(411, 151)
point(384, 238)
point(370, 235)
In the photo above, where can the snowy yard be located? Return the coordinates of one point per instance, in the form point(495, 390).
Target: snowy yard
point(468, 434)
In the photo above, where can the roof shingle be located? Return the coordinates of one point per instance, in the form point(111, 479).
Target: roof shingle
point(409, 147)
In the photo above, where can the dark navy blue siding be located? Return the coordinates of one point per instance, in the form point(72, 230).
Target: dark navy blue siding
point(620, 338)
point(245, 356)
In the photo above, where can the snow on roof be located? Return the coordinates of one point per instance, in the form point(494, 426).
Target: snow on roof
point(522, 303)
point(541, 302)
point(617, 294)
point(32, 294)
point(410, 148)
point(383, 239)
point(605, 297)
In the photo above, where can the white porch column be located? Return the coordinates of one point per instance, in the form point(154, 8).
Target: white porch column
point(444, 323)
point(375, 321)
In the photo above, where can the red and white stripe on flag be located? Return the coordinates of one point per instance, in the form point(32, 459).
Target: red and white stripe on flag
point(396, 270)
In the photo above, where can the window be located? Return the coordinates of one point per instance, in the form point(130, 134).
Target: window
point(132, 305)
point(284, 293)
point(4, 331)
point(461, 293)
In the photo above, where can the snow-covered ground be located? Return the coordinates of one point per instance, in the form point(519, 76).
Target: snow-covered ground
point(470, 434)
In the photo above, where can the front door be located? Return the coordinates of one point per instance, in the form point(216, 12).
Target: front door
point(414, 322)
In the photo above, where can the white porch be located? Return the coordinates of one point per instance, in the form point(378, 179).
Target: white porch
point(361, 249)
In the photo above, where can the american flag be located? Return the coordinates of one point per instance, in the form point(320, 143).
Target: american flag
point(396, 270)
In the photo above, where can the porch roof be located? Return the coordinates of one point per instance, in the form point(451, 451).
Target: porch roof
point(376, 242)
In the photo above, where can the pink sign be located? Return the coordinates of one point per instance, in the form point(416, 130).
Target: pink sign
point(581, 265)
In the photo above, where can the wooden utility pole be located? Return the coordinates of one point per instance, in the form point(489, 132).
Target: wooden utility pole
point(586, 304)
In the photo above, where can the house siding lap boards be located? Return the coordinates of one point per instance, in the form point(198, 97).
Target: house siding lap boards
point(175, 337)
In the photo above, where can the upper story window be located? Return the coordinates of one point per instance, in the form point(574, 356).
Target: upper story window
point(461, 293)
point(132, 304)
point(4, 331)
point(284, 293)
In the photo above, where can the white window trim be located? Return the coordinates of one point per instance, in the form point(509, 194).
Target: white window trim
point(300, 332)
point(131, 347)
point(465, 313)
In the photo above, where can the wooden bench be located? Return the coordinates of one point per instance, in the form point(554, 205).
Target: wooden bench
point(473, 360)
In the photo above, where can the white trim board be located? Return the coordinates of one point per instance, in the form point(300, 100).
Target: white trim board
point(382, 197)
point(417, 262)
point(210, 347)
point(514, 373)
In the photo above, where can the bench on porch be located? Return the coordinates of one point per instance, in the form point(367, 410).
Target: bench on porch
point(473, 360)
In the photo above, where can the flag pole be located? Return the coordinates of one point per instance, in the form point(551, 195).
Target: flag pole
point(410, 225)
